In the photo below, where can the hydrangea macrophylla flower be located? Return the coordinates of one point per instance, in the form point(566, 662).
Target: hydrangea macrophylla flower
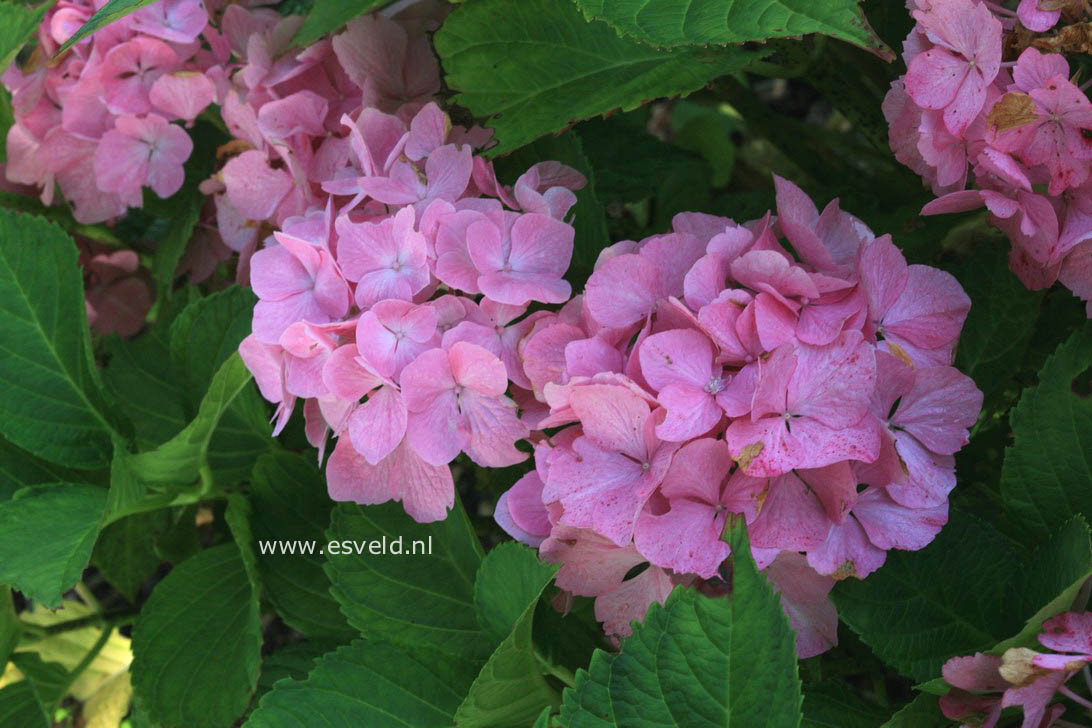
point(117, 298)
point(142, 151)
point(736, 377)
point(1023, 134)
point(522, 261)
point(386, 259)
point(985, 684)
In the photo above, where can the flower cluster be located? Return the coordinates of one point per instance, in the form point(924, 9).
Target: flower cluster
point(412, 297)
point(116, 292)
point(708, 371)
point(1016, 130)
point(98, 124)
point(1022, 676)
point(312, 123)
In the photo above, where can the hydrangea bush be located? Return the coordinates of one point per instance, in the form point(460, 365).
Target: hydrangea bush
point(550, 363)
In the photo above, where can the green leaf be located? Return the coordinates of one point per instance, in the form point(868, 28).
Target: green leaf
point(205, 334)
point(503, 58)
point(125, 551)
point(49, 680)
point(46, 535)
point(17, 24)
point(326, 16)
point(197, 642)
point(18, 469)
point(587, 214)
point(10, 628)
point(922, 712)
point(1000, 324)
point(1050, 581)
point(237, 517)
point(588, 705)
point(407, 599)
point(180, 459)
point(19, 706)
point(52, 404)
point(373, 684)
point(948, 599)
point(108, 13)
point(510, 690)
point(510, 579)
point(288, 493)
point(1047, 474)
point(291, 662)
point(719, 22)
point(833, 704)
point(731, 661)
point(140, 379)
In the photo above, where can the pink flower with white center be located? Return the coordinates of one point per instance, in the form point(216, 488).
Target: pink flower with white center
point(142, 151)
point(254, 188)
point(295, 281)
point(954, 74)
point(925, 416)
point(491, 327)
point(917, 311)
point(810, 409)
point(176, 21)
point(801, 507)
point(1057, 139)
point(604, 479)
point(680, 527)
point(524, 260)
point(393, 333)
point(386, 259)
point(679, 366)
point(446, 176)
point(456, 403)
point(130, 69)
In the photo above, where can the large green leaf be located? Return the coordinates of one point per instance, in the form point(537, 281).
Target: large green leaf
point(9, 625)
point(291, 508)
point(19, 706)
point(140, 378)
point(535, 66)
point(18, 469)
point(108, 13)
point(205, 334)
point(833, 704)
point(1047, 475)
point(46, 536)
point(731, 661)
point(948, 599)
point(197, 642)
point(17, 23)
point(705, 22)
point(182, 458)
point(373, 684)
point(326, 16)
point(125, 551)
point(52, 404)
point(510, 690)
point(407, 599)
point(293, 661)
point(1000, 324)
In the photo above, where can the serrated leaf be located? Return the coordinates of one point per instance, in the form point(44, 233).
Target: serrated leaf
point(371, 684)
point(46, 535)
point(292, 662)
point(833, 704)
point(510, 578)
point(125, 552)
point(139, 377)
point(510, 690)
point(18, 469)
point(205, 334)
point(17, 24)
point(288, 493)
point(20, 707)
point(923, 607)
point(922, 712)
point(731, 661)
point(52, 404)
point(408, 599)
point(108, 13)
point(588, 705)
point(326, 16)
point(180, 459)
point(503, 59)
point(197, 642)
point(719, 22)
point(1047, 474)
point(1000, 324)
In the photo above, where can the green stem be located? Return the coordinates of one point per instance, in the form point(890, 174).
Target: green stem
point(561, 673)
